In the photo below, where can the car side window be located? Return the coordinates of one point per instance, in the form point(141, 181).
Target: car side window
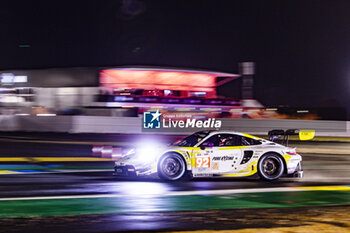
point(213, 139)
point(249, 141)
point(220, 140)
point(230, 140)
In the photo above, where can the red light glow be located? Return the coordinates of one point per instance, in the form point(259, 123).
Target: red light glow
point(162, 80)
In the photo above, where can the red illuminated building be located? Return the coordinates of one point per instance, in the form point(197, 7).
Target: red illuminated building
point(163, 82)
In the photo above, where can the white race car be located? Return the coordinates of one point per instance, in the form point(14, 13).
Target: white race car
point(214, 154)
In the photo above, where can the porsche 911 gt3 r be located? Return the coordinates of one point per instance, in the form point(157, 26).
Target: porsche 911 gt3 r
point(212, 154)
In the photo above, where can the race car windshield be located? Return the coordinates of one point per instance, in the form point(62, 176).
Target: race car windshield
point(192, 140)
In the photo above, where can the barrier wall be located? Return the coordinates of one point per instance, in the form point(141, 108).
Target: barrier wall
point(103, 124)
point(132, 125)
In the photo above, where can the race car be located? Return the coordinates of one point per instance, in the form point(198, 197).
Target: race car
point(214, 154)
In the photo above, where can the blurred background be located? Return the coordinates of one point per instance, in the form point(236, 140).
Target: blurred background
point(129, 91)
point(299, 50)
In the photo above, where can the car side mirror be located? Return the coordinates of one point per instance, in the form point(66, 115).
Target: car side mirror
point(205, 145)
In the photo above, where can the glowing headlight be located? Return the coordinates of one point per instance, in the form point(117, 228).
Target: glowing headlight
point(147, 153)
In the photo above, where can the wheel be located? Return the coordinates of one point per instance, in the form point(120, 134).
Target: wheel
point(171, 167)
point(270, 167)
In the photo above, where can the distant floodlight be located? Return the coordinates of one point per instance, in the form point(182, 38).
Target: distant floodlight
point(46, 114)
point(302, 111)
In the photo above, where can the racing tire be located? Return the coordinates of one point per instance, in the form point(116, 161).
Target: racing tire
point(270, 167)
point(171, 167)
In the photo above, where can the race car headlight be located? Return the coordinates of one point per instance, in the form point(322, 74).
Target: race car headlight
point(147, 153)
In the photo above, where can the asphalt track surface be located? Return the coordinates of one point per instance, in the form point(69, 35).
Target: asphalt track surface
point(83, 196)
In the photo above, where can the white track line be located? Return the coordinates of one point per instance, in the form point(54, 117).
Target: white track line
point(179, 193)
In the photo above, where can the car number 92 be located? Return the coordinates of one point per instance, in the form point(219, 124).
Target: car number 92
point(203, 162)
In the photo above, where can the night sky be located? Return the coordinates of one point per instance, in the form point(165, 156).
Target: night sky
point(301, 48)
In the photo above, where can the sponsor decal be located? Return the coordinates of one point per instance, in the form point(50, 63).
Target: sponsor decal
point(222, 158)
point(215, 166)
point(203, 170)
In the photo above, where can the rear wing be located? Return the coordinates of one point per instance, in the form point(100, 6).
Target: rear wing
point(283, 135)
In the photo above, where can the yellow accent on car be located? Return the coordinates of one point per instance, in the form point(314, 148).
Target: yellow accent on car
point(186, 148)
point(192, 151)
point(251, 170)
point(193, 161)
point(286, 157)
point(232, 147)
point(251, 136)
point(183, 154)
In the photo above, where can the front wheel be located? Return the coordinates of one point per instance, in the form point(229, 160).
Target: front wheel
point(171, 167)
point(270, 167)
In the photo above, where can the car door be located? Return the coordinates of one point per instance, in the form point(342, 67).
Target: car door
point(218, 154)
point(250, 155)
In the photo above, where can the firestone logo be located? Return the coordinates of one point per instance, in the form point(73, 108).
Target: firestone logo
point(154, 120)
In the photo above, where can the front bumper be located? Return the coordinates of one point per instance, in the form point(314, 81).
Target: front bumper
point(125, 171)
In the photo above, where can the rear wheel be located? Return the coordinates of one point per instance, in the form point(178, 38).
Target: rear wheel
point(171, 167)
point(270, 167)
